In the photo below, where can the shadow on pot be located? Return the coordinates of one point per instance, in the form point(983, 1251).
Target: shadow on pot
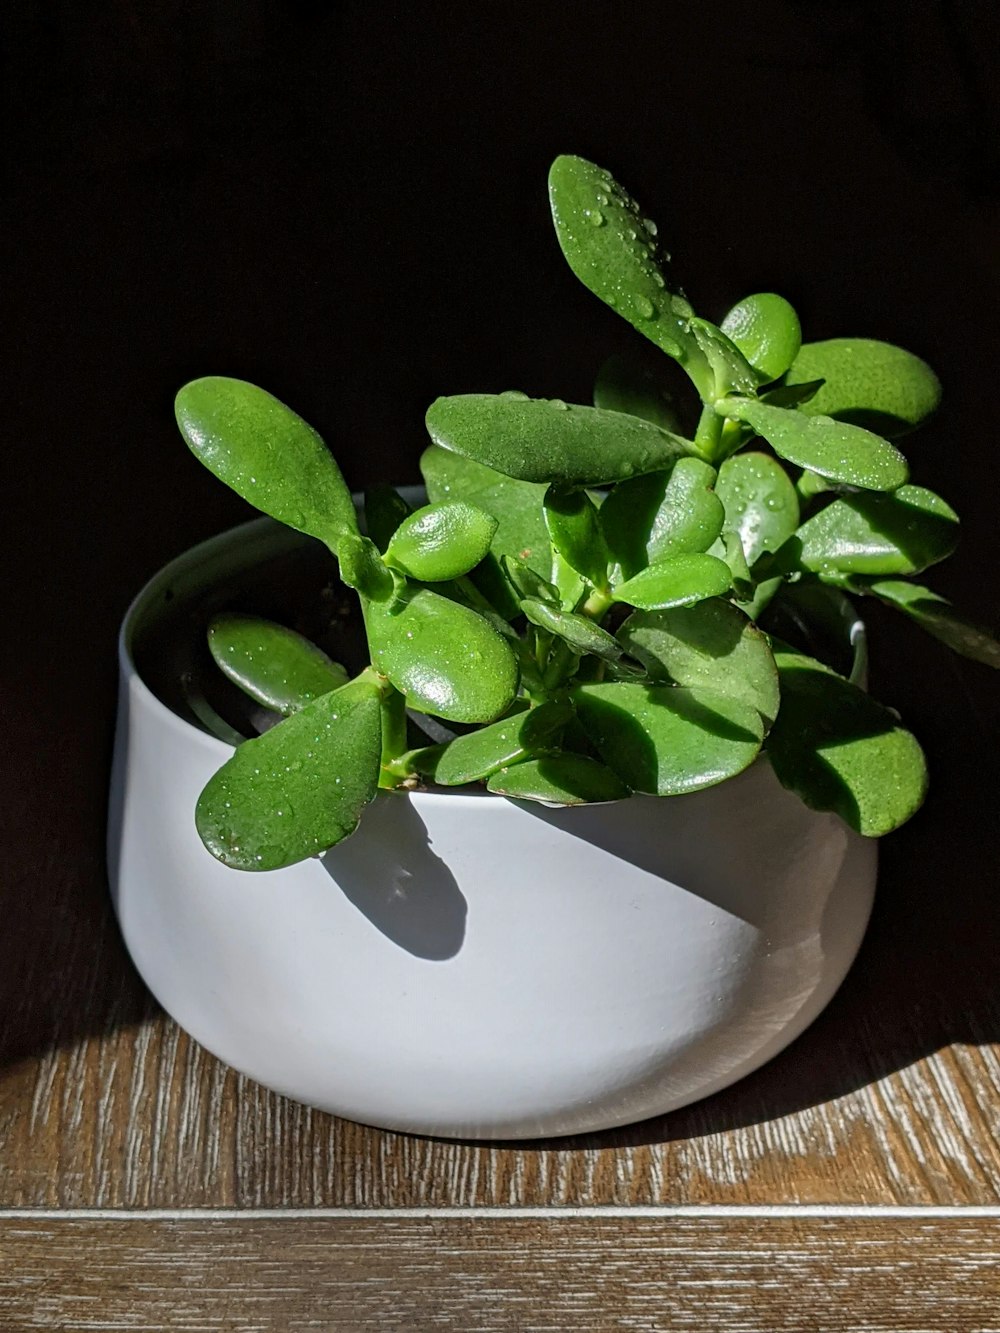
point(398, 883)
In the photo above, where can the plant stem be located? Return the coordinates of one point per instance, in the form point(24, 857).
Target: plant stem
point(708, 436)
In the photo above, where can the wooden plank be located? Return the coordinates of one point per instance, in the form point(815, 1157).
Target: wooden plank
point(731, 1274)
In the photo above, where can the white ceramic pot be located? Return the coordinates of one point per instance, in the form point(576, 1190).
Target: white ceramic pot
point(465, 965)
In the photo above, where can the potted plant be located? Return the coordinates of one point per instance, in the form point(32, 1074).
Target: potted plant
point(572, 823)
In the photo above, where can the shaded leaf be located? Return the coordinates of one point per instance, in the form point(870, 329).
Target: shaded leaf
point(712, 646)
point(275, 666)
point(516, 505)
point(559, 779)
point(766, 330)
point(537, 440)
point(679, 580)
point(441, 541)
point(901, 533)
point(870, 383)
point(575, 532)
point(445, 658)
point(385, 509)
point(298, 789)
point(526, 583)
point(476, 755)
point(834, 449)
point(580, 632)
point(938, 617)
point(662, 514)
point(667, 740)
point(624, 384)
point(839, 750)
point(267, 454)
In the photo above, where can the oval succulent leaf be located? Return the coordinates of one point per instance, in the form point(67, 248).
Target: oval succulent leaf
point(476, 755)
point(766, 329)
point(516, 505)
point(441, 541)
point(385, 509)
point(680, 580)
point(710, 646)
point(575, 532)
point(611, 248)
point(298, 789)
point(559, 779)
point(625, 384)
point(273, 665)
point(667, 740)
point(760, 502)
point(267, 454)
point(937, 616)
point(537, 439)
point(834, 449)
point(663, 514)
point(580, 632)
point(839, 750)
point(445, 658)
point(867, 382)
point(901, 533)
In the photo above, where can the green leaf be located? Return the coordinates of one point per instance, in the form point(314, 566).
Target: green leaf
point(580, 632)
point(901, 533)
point(274, 665)
point(362, 568)
point(526, 583)
point(611, 248)
point(760, 502)
point(516, 505)
point(834, 449)
point(667, 740)
point(938, 617)
point(869, 383)
point(731, 371)
point(663, 514)
point(735, 559)
point(839, 750)
point(792, 395)
point(298, 789)
point(559, 779)
point(625, 384)
point(266, 454)
point(445, 658)
point(679, 580)
point(538, 440)
point(575, 532)
point(441, 541)
point(766, 330)
point(385, 509)
point(476, 755)
point(710, 646)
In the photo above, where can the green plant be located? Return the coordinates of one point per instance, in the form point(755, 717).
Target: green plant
point(598, 602)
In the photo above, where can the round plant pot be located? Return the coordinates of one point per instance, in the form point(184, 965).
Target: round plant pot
point(467, 965)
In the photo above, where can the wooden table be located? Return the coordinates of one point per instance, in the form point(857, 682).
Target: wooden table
point(854, 1182)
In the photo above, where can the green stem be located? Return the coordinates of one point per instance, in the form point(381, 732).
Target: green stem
point(597, 604)
point(708, 436)
point(393, 733)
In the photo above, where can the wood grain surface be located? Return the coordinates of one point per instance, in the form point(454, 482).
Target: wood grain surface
point(727, 1275)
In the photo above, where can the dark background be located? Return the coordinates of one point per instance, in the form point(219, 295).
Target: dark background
point(347, 204)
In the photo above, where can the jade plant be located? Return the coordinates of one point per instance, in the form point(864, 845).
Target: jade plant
point(595, 601)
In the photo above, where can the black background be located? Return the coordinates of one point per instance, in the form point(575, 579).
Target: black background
point(346, 203)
